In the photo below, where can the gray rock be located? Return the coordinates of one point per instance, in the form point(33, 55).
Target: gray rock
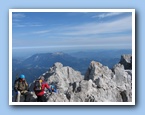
point(97, 70)
point(123, 81)
point(29, 98)
point(126, 60)
point(57, 97)
point(111, 86)
point(100, 84)
point(62, 77)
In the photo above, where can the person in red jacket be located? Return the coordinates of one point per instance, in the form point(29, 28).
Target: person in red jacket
point(40, 93)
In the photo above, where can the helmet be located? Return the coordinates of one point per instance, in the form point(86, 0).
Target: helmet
point(22, 76)
point(52, 86)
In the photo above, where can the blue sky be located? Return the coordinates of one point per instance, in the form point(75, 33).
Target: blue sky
point(71, 30)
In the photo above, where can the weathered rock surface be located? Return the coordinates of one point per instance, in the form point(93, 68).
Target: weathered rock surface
point(57, 97)
point(62, 77)
point(126, 60)
point(123, 81)
point(104, 85)
point(100, 84)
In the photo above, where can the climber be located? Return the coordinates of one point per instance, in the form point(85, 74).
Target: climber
point(53, 88)
point(21, 88)
point(39, 87)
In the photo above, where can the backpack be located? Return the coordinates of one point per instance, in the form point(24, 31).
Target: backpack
point(38, 85)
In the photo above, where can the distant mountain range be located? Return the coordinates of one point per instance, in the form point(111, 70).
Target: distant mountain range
point(35, 65)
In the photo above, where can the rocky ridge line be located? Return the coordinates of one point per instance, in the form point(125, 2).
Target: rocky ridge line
point(100, 84)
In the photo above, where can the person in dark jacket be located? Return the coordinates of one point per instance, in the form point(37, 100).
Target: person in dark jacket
point(40, 94)
point(21, 88)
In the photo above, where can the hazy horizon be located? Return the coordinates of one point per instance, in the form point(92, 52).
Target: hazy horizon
point(28, 53)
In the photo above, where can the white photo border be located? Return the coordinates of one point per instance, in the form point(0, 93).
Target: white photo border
point(71, 10)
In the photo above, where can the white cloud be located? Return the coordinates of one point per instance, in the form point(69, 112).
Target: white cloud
point(35, 25)
point(88, 34)
point(73, 41)
point(104, 15)
point(117, 26)
point(41, 32)
point(100, 28)
point(16, 24)
point(18, 15)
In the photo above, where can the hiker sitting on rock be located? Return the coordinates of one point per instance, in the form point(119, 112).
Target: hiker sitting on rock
point(39, 87)
point(21, 88)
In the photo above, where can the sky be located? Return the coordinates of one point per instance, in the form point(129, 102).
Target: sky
point(56, 31)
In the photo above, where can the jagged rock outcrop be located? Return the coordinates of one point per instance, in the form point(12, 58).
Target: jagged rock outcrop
point(116, 83)
point(107, 85)
point(62, 77)
point(123, 81)
point(126, 60)
point(100, 84)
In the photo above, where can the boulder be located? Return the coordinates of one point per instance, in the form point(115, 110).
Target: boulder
point(126, 60)
point(62, 77)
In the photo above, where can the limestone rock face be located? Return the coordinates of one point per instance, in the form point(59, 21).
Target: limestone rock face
point(100, 84)
point(57, 97)
point(105, 81)
point(123, 79)
point(112, 85)
point(62, 77)
point(126, 60)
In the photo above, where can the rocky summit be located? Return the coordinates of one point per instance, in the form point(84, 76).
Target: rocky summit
point(126, 60)
point(99, 84)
